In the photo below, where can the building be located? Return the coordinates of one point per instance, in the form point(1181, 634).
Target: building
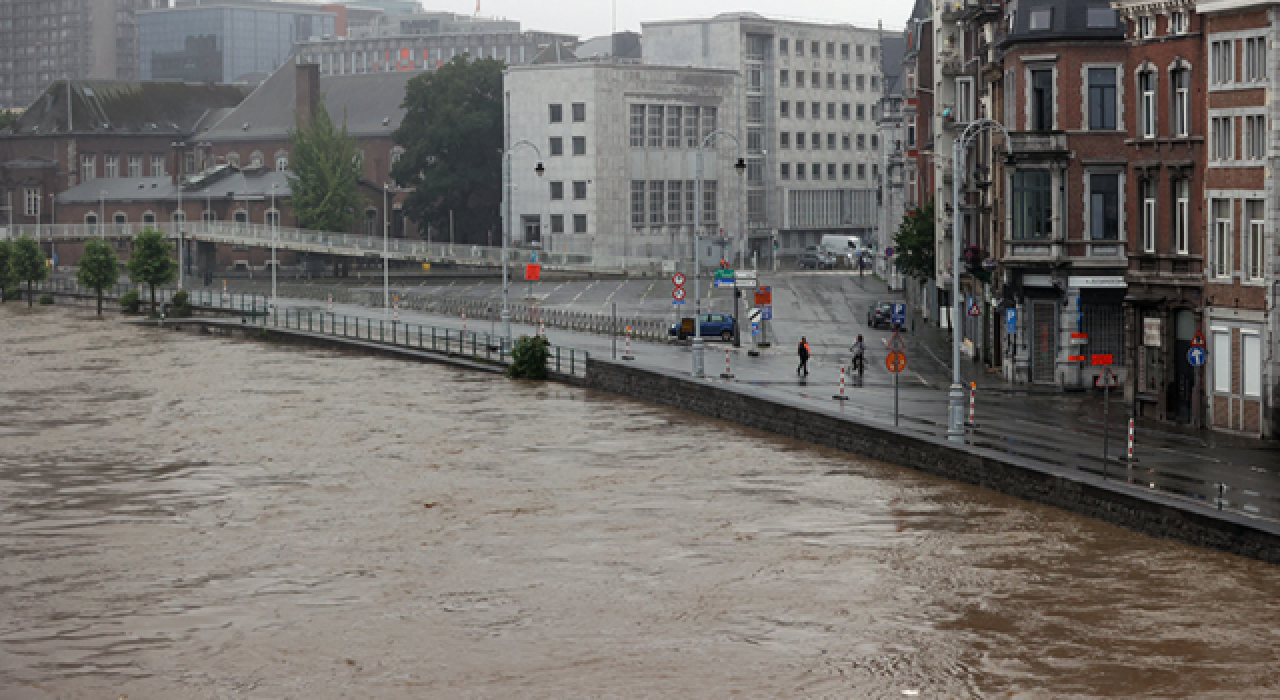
point(803, 114)
point(890, 122)
point(226, 41)
point(1240, 195)
point(619, 143)
point(917, 118)
point(41, 42)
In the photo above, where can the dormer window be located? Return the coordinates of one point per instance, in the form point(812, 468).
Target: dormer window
point(1041, 19)
point(1146, 27)
point(1101, 18)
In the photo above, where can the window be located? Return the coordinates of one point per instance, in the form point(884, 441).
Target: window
point(557, 146)
point(831, 110)
point(875, 83)
point(784, 139)
point(862, 142)
point(579, 112)
point(1041, 18)
point(844, 111)
point(1104, 207)
point(88, 168)
point(1178, 23)
point(1041, 99)
point(784, 78)
point(675, 197)
point(964, 100)
point(815, 80)
point(784, 171)
point(859, 82)
point(579, 223)
point(282, 161)
point(800, 171)
point(657, 202)
point(831, 171)
point(580, 145)
point(862, 171)
point(1148, 216)
point(1254, 253)
point(674, 120)
point(815, 173)
point(270, 217)
point(845, 142)
point(1251, 359)
point(875, 53)
point(1255, 137)
point(799, 140)
point(1222, 62)
point(557, 223)
point(557, 191)
point(1181, 81)
point(1221, 140)
point(135, 166)
point(858, 52)
point(755, 110)
point(1255, 59)
point(846, 171)
point(111, 166)
point(708, 121)
point(637, 203)
point(1181, 215)
point(1220, 246)
point(861, 112)
point(637, 126)
point(157, 166)
point(844, 52)
point(816, 141)
point(799, 49)
point(815, 110)
point(755, 139)
point(580, 189)
point(1101, 18)
point(814, 48)
point(784, 109)
point(831, 50)
point(799, 110)
point(799, 78)
point(782, 47)
point(189, 162)
point(1032, 205)
point(1221, 355)
point(1102, 98)
point(557, 114)
point(831, 142)
point(691, 138)
point(709, 202)
point(31, 198)
point(1145, 27)
point(1147, 91)
point(655, 126)
point(844, 81)
point(831, 81)
point(690, 200)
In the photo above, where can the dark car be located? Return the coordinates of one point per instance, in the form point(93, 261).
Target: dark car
point(816, 258)
point(713, 326)
point(880, 314)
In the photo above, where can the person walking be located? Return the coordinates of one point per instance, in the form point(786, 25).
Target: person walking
point(802, 349)
point(858, 348)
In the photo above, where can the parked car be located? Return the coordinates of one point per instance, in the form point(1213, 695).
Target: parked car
point(880, 314)
point(713, 326)
point(816, 258)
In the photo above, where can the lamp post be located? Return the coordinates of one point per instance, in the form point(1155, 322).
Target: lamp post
point(741, 167)
point(102, 213)
point(275, 234)
point(53, 225)
point(386, 272)
point(179, 219)
point(955, 408)
point(506, 228)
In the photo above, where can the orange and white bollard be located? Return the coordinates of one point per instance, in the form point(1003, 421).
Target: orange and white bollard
point(628, 355)
point(395, 310)
point(330, 303)
point(464, 321)
point(728, 371)
point(542, 328)
point(973, 390)
point(1131, 440)
point(841, 396)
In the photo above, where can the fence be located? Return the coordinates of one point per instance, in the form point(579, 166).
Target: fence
point(243, 303)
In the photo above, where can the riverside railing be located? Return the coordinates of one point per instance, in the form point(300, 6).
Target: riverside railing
point(200, 298)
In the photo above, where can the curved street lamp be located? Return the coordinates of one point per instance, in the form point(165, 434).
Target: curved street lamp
point(506, 233)
point(955, 400)
point(741, 167)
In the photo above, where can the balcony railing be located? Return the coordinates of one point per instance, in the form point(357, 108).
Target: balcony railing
point(1038, 142)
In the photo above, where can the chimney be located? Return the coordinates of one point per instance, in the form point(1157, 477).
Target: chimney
point(307, 92)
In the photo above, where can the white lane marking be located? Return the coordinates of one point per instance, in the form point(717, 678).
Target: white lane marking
point(615, 291)
point(584, 291)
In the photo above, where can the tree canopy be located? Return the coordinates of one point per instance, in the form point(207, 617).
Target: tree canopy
point(99, 268)
point(324, 174)
point(914, 243)
point(6, 268)
point(152, 261)
point(453, 138)
point(29, 264)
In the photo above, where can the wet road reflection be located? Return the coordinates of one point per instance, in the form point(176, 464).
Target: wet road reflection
point(191, 517)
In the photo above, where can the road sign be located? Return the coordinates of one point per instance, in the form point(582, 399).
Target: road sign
point(1011, 321)
point(764, 296)
point(899, 315)
point(678, 279)
point(1197, 340)
point(533, 272)
point(753, 315)
point(975, 309)
point(897, 343)
point(721, 283)
point(766, 312)
point(1100, 359)
point(723, 274)
point(678, 302)
point(896, 361)
point(888, 252)
point(755, 329)
point(1196, 356)
point(745, 276)
point(1106, 380)
point(533, 257)
point(1075, 358)
point(1078, 339)
point(678, 294)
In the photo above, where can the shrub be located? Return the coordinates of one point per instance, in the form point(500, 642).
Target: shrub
point(46, 299)
point(181, 307)
point(12, 294)
point(529, 358)
point(130, 302)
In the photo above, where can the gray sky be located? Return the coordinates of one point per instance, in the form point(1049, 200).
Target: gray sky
point(593, 18)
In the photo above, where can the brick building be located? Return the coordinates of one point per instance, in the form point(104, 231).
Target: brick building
point(918, 111)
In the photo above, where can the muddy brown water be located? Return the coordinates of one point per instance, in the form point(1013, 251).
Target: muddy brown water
point(187, 517)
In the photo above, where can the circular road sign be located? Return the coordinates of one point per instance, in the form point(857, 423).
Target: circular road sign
point(1196, 356)
point(678, 279)
point(888, 252)
point(896, 361)
point(678, 294)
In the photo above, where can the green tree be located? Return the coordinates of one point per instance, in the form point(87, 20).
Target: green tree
point(8, 118)
point(29, 264)
point(914, 243)
point(6, 268)
point(99, 268)
point(452, 136)
point(324, 174)
point(152, 261)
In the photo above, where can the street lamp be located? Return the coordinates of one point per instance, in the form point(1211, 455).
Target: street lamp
point(506, 228)
point(53, 225)
point(102, 213)
point(180, 219)
point(741, 167)
point(955, 409)
point(275, 233)
point(386, 272)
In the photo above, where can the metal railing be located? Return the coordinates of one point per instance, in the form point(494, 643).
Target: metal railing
point(199, 298)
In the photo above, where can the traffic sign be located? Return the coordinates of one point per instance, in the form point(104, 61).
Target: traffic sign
point(899, 315)
point(745, 276)
point(975, 309)
point(678, 302)
point(1196, 356)
point(721, 282)
point(533, 257)
point(1011, 321)
point(678, 294)
point(888, 252)
point(1100, 359)
point(723, 274)
point(896, 361)
point(753, 315)
point(766, 312)
point(1106, 380)
point(678, 279)
point(897, 343)
point(1197, 340)
point(764, 296)
point(533, 272)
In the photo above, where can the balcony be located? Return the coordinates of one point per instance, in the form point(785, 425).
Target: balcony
point(950, 64)
point(1038, 142)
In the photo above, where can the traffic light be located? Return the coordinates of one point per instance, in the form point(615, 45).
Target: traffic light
point(775, 244)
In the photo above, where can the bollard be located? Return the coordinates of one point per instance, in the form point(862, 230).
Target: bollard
point(1131, 441)
point(728, 373)
point(973, 390)
point(841, 396)
point(330, 303)
point(464, 320)
point(628, 356)
point(542, 328)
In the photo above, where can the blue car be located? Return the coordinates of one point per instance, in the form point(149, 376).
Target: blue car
point(713, 326)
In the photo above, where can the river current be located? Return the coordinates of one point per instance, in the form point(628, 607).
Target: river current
point(191, 517)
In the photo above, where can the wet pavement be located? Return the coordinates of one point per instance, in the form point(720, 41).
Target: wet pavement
point(188, 517)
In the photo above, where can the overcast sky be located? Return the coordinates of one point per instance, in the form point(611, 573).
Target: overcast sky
point(594, 17)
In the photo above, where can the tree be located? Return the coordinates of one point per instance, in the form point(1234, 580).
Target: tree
point(6, 268)
point(8, 118)
point(29, 264)
point(914, 243)
point(152, 261)
point(99, 268)
point(452, 136)
point(324, 174)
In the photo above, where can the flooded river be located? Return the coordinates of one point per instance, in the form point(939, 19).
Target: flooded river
point(188, 517)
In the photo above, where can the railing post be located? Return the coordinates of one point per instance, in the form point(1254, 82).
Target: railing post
point(433, 337)
point(557, 359)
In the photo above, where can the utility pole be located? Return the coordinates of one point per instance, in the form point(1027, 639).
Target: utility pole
point(386, 258)
point(740, 166)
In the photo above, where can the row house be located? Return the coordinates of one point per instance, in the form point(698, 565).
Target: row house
point(917, 117)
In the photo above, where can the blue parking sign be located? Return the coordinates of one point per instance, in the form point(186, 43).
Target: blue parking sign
point(1011, 321)
point(899, 315)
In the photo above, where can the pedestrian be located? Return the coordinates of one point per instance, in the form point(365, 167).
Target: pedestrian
point(802, 349)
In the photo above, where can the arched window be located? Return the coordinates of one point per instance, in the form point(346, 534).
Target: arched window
point(149, 217)
point(233, 159)
point(1180, 82)
point(255, 159)
point(282, 161)
point(179, 217)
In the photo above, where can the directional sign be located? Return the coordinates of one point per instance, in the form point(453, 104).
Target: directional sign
point(723, 274)
point(721, 283)
point(1196, 356)
point(766, 312)
point(975, 309)
point(899, 315)
point(678, 279)
point(1197, 340)
point(678, 302)
point(1011, 321)
point(896, 361)
point(745, 276)
point(888, 252)
point(678, 294)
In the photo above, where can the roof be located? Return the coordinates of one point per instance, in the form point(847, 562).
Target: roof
point(233, 184)
point(1211, 6)
point(626, 44)
point(892, 51)
point(555, 53)
point(128, 107)
point(370, 102)
point(1068, 19)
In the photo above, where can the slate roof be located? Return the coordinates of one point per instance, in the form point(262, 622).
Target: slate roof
point(234, 184)
point(1068, 21)
point(892, 50)
point(371, 103)
point(128, 107)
